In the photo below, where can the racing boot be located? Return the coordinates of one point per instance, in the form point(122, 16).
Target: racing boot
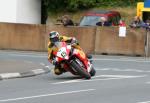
point(89, 56)
point(58, 70)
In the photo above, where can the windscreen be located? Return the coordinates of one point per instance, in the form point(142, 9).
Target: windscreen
point(89, 20)
point(59, 44)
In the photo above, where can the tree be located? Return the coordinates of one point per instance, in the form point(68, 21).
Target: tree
point(44, 11)
point(74, 5)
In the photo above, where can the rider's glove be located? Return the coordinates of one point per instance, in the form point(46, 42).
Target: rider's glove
point(54, 62)
point(74, 41)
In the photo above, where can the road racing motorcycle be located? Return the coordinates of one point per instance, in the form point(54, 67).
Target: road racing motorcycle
point(73, 60)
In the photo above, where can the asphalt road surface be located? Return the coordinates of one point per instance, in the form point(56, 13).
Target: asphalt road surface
point(119, 79)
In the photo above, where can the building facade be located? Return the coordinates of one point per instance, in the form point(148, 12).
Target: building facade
point(20, 11)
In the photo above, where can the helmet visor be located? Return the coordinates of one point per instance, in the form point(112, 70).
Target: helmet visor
point(55, 39)
point(52, 35)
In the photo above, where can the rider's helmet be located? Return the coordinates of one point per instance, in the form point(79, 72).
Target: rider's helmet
point(54, 36)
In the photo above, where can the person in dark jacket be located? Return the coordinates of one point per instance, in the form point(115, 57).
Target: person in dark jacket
point(146, 24)
point(66, 20)
point(136, 23)
point(103, 22)
point(122, 22)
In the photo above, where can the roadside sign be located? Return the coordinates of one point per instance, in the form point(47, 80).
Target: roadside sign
point(122, 31)
point(147, 3)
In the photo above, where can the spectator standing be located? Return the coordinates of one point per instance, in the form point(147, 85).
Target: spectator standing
point(146, 24)
point(136, 23)
point(66, 20)
point(122, 22)
point(103, 22)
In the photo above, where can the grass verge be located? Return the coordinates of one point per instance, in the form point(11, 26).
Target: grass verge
point(127, 13)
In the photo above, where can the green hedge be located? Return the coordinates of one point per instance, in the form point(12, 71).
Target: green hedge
point(74, 5)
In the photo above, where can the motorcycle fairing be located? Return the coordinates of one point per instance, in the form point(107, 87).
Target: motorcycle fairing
point(81, 55)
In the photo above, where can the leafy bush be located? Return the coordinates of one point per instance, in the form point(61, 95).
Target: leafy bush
point(118, 2)
point(74, 5)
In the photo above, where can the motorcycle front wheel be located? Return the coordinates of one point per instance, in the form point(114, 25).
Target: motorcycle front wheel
point(80, 69)
point(92, 72)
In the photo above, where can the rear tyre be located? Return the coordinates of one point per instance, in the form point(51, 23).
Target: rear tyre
point(80, 70)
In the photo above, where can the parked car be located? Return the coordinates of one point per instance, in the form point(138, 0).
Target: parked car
point(92, 17)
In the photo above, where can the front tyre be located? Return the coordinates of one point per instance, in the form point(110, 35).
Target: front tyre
point(92, 72)
point(80, 70)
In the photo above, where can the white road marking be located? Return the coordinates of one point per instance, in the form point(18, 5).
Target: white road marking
point(118, 76)
point(38, 71)
point(23, 53)
point(28, 62)
point(124, 60)
point(145, 102)
point(78, 81)
point(26, 55)
point(147, 82)
point(46, 95)
point(123, 76)
point(42, 64)
point(108, 77)
point(95, 59)
point(8, 75)
point(124, 70)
